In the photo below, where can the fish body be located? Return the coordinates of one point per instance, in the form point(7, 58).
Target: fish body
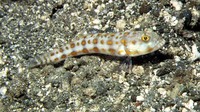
point(127, 43)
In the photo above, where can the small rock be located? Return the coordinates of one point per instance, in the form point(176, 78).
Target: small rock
point(138, 70)
point(121, 24)
point(3, 91)
point(162, 91)
point(195, 53)
point(187, 15)
point(4, 72)
point(172, 20)
point(96, 21)
point(140, 98)
point(1, 57)
point(189, 105)
point(89, 91)
point(145, 8)
point(176, 4)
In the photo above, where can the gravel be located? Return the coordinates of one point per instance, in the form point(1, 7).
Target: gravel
point(164, 81)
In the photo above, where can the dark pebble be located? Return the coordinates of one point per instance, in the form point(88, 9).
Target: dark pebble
point(145, 8)
point(188, 17)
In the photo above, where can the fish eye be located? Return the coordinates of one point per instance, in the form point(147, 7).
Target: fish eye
point(145, 38)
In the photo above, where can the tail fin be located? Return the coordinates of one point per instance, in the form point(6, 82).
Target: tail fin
point(37, 61)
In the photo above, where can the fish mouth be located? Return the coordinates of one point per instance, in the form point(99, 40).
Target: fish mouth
point(151, 49)
point(159, 44)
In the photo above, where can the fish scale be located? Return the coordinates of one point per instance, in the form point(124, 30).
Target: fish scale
point(128, 43)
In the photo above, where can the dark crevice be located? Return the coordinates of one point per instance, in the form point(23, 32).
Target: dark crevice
point(55, 9)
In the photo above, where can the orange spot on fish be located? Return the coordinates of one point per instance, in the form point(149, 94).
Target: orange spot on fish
point(95, 49)
point(103, 50)
point(64, 56)
point(51, 54)
point(112, 34)
point(112, 51)
point(56, 59)
point(116, 42)
point(95, 41)
point(149, 49)
point(72, 45)
point(102, 41)
point(121, 52)
point(85, 50)
point(126, 33)
point(89, 42)
point(133, 42)
point(61, 50)
point(109, 42)
point(99, 35)
point(83, 42)
point(73, 53)
point(124, 42)
point(127, 52)
point(77, 43)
